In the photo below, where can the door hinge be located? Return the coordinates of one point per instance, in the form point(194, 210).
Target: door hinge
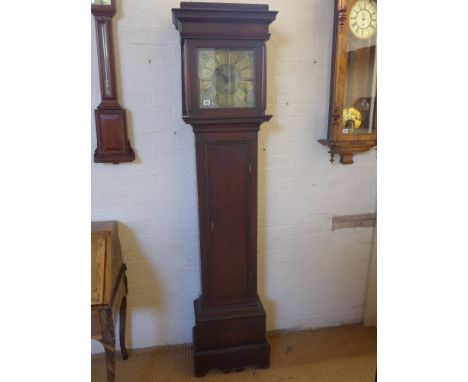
point(212, 226)
point(250, 169)
point(250, 275)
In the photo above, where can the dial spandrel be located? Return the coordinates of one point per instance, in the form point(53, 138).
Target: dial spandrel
point(226, 78)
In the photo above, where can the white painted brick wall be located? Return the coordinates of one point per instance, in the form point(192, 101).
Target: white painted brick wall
point(308, 276)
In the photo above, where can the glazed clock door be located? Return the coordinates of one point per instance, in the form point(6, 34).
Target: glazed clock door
point(359, 113)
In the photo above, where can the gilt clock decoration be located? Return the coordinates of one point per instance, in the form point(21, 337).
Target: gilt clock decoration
point(113, 145)
point(352, 125)
point(224, 99)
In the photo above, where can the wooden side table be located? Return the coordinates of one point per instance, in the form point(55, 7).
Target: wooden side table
point(108, 290)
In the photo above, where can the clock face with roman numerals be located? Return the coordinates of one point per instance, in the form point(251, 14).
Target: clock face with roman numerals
point(226, 78)
point(363, 19)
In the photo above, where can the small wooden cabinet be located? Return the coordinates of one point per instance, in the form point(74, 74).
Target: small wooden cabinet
point(108, 291)
point(224, 99)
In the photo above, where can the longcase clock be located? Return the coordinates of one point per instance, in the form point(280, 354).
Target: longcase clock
point(352, 125)
point(224, 87)
point(113, 145)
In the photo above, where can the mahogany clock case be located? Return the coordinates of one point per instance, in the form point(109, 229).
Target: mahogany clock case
point(113, 145)
point(230, 322)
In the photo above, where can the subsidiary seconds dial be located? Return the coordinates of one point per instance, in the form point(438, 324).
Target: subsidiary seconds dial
point(363, 19)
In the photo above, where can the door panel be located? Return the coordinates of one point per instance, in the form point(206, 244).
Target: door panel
point(227, 170)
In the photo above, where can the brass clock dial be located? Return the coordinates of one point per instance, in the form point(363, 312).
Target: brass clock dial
point(363, 19)
point(226, 78)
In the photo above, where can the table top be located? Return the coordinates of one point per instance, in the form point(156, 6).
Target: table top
point(110, 226)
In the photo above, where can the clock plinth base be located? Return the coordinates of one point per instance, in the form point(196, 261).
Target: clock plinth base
point(232, 359)
point(114, 158)
point(113, 145)
point(230, 338)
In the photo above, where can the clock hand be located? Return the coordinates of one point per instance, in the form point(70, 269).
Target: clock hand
point(225, 78)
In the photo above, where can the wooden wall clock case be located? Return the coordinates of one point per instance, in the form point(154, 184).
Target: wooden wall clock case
point(224, 99)
point(353, 80)
point(113, 145)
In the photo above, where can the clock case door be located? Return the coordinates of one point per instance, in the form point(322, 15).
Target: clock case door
point(227, 196)
point(344, 144)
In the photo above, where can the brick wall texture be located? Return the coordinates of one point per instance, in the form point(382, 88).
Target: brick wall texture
point(308, 275)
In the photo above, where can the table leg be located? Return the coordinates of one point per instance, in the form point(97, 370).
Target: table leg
point(123, 320)
point(110, 364)
point(108, 340)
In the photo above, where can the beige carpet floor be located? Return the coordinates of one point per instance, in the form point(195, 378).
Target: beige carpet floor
point(346, 353)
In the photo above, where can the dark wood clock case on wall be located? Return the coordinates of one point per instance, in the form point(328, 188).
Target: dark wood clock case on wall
point(113, 145)
point(230, 321)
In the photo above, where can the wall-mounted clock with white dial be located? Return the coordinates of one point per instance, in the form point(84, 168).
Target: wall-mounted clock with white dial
point(363, 19)
point(353, 104)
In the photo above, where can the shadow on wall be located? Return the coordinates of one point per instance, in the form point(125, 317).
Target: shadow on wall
point(145, 304)
point(266, 130)
point(145, 294)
